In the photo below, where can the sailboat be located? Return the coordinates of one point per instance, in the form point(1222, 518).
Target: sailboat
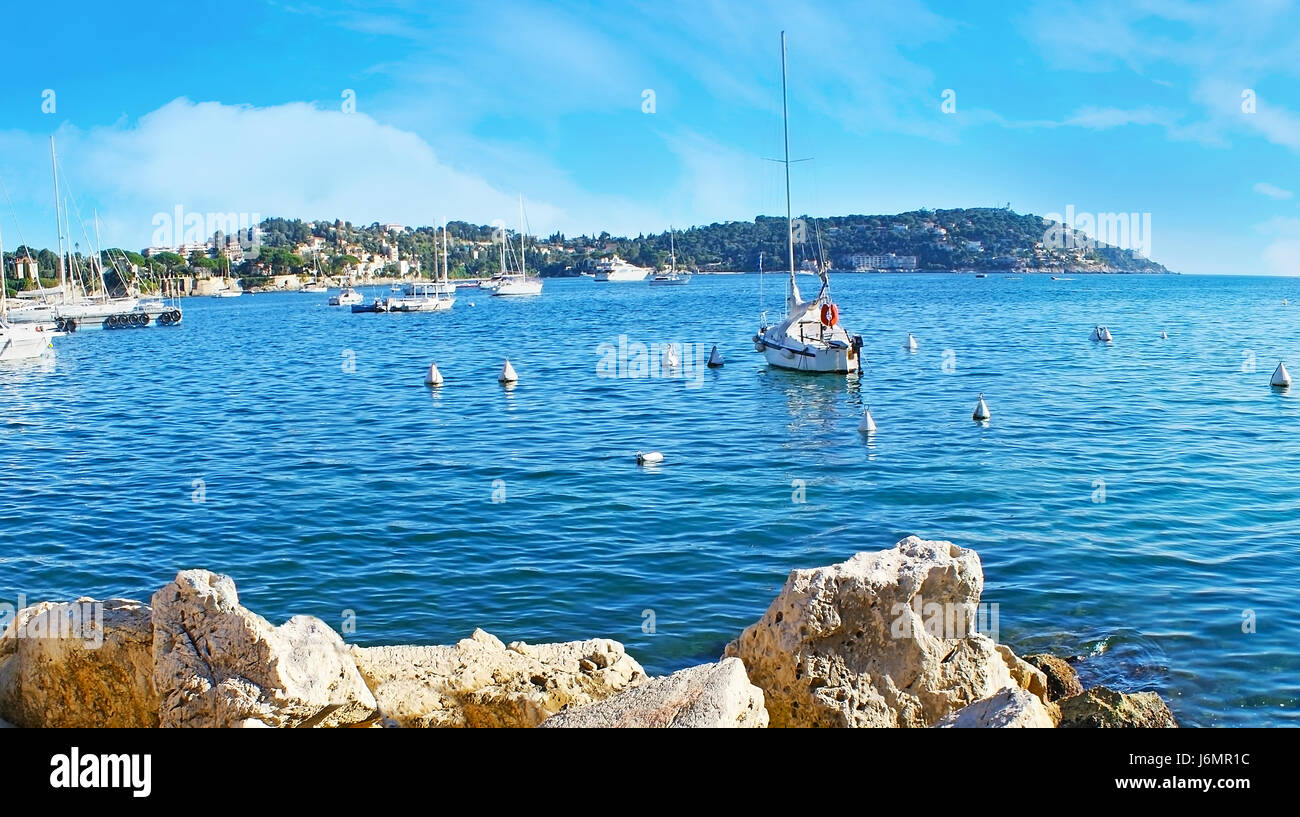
point(671, 276)
point(316, 287)
point(426, 296)
point(18, 341)
point(71, 309)
point(518, 283)
point(811, 337)
point(232, 288)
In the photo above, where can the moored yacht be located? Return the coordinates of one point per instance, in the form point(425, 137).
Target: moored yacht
point(616, 269)
point(517, 283)
point(348, 297)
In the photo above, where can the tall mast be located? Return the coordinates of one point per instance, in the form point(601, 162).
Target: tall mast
point(444, 251)
point(99, 260)
point(523, 265)
point(503, 249)
point(58, 222)
point(4, 281)
point(785, 129)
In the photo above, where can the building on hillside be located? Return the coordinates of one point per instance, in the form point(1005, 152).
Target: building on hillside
point(861, 262)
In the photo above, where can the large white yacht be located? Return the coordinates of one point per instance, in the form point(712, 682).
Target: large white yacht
point(616, 269)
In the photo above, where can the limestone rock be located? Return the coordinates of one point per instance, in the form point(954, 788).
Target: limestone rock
point(1103, 708)
point(1011, 708)
point(217, 664)
point(884, 639)
point(481, 682)
point(708, 696)
point(1062, 680)
point(1026, 675)
point(79, 664)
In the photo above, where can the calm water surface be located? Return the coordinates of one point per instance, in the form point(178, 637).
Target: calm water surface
point(333, 481)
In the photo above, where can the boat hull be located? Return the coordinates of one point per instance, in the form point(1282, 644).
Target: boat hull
point(24, 342)
point(518, 288)
point(814, 360)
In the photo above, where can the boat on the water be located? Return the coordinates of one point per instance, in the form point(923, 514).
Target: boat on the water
point(981, 275)
point(517, 283)
point(348, 297)
point(810, 338)
point(616, 269)
point(423, 296)
point(672, 276)
point(26, 341)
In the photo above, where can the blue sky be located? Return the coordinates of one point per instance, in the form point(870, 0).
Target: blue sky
point(1131, 107)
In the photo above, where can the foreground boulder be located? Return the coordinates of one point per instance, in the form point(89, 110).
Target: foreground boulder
point(217, 664)
point(884, 639)
point(1104, 708)
point(79, 664)
point(1011, 708)
point(708, 696)
point(1062, 680)
point(480, 682)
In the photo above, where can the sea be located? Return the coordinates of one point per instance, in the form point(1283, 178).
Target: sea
point(1135, 505)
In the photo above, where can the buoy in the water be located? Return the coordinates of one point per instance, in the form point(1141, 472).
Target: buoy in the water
point(1281, 377)
point(715, 358)
point(649, 457)
point(670, 359)
point(868, 425)
point(1164, 335)
point(981, 411)
point(1101, 333)
point(434, 377)
point(508, 374)
point(911, 343)
point(1284, 302)
point(471, 303)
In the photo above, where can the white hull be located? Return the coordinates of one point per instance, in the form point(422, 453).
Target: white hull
point(24, 342)
point(117, 313)
point(419, 304)
point(680, 280)
point(227, 293)
point(822, 361)
point(315, 289)
point(624, 274)
point(528, 286)
point(347, 297)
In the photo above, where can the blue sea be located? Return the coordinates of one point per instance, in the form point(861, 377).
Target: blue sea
point(1135, 505)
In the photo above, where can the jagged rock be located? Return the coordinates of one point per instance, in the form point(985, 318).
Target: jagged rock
point(483, 683)
point(1026, 675)
point(218, 664)
point(708, 696)
point(1103, 708)
point(1062, 680)
point(1010, 708)
point(79, 664)
point(865, 643)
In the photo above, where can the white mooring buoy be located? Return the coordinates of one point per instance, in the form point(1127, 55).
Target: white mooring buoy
point(1101, 333)
point(981, 411)
point(911, 343)
point(670, 359)
point(434, 377)
point(868, 425)
point(1281, 377)
point(508, 374)
point(648, 457)
point(715, 359)
point(1164, 335)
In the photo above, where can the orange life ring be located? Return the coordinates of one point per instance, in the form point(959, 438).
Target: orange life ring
point(830, 314)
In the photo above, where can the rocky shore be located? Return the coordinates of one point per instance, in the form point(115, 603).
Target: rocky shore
point(863, 643)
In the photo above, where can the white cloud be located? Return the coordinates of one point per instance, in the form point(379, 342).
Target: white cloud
point(1272, 191)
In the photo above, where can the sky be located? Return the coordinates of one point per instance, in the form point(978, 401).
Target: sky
point(634, 117)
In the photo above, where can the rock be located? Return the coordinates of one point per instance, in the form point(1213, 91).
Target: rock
point(217, 664)
point(708, 696)
point(481, 682)
point(1062, 680)
point(1103, 708)
point(85, 664)
point(865, 643)
point(1011, 708)
point(1026, 675)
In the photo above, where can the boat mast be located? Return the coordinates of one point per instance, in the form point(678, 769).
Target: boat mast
point(4, 280)
point(523, 265)
point(444, 251)
point(58, 222)
point(99, 261)
point(785, 129)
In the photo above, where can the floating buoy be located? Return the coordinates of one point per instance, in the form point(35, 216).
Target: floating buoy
point(649, 457)
point(911, 343)
point(1164, 335)
point(868, 425)
point(670, 360)
point(981, 411)
point(471, 303)
point(508, 374)
point(1284, 302)
point(434, 377)
point(1101, 333)
point(715, 359)
point(1281, 377)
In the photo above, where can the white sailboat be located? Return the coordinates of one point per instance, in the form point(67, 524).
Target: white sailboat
point(810, 338)
point(426, 296)
point(517, 283)
point(18, 341)
point(671, 276)
point(316, 287)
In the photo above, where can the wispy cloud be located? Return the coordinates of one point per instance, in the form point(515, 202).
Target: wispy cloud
point(1272, 191)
